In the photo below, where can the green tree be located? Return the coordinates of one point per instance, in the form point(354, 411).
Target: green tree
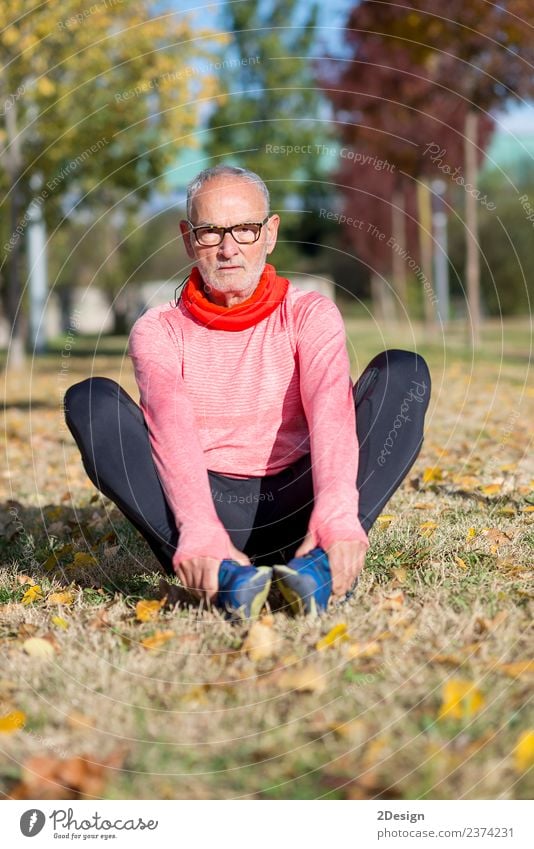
point(272, 117)
point(93, 104)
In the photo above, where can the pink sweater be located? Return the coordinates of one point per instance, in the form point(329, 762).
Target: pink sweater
point(249, 403)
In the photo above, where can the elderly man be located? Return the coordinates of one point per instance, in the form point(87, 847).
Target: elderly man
point(251, 448)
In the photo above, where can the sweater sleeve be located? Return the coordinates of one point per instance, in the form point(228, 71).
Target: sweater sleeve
point(176, 448)
point(326, 393)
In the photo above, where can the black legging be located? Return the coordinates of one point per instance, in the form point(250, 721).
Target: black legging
point(266, 518)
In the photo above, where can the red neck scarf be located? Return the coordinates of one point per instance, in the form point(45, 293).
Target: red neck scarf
point(268, 294)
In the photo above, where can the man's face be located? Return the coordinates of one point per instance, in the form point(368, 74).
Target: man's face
point(230, 268)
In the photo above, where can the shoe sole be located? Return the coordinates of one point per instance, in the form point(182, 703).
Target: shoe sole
point(298, 590)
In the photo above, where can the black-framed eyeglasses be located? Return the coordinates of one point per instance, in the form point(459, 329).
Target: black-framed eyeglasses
point(209, 236)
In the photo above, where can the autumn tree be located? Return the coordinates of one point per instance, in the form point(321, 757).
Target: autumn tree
point(391, 103)
point(94, 102)
point(464, 62)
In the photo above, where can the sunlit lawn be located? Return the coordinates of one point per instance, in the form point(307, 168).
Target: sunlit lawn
point(423, 695)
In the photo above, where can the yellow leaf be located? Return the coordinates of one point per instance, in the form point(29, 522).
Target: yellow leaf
point(491, 488)
point(400, 574)
point(37, 647)
point(83, 558)
point(385, 519)
point(461, 700)
point(65, 597)
point(459, 562)
point(336, 635)
point(470, 534)
point(12, 721)
point(506, 511)
point(261, 640)
point(420, 505)
point(528, 509)
point(524, 752)
point(146, 611)
point(367, 649)
point(59, 622)
point(432, 474)
point(426, 529)
point(32, 594)
point(157, 640)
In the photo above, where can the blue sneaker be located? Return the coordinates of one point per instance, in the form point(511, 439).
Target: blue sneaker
point(306, 582)
point(243, 590)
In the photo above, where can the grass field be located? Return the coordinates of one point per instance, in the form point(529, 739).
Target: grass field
point(421, 691)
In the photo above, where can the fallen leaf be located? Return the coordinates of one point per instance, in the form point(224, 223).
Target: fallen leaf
point(491, 488)
point(32, 595)
point(366, 649)
point(157, 640)
point(11, 722)
point(303, 679)
point(471, 533)
point(38, 647)
point(495, 536)
point(461, 700)
point(393, 601)
point(336, 635)
point(45, 777)
point(426, 529)
point(524, 752)
point(459, 562)
point(65, 597)
point(24, 579)
point(432, 474)
point(83, 559)
point(517, 668)
point(385, 519)
point(400, 574)
point(261, 641)
point(146, 611)
point(59, 622)
point(485, 624)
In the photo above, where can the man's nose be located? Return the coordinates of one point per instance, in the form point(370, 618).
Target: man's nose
point(228, 246)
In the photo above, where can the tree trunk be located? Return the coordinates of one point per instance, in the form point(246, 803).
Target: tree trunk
point(13, 299)
point(398, 250)
point(424, 208)
point(472, 261)
point(382, 298)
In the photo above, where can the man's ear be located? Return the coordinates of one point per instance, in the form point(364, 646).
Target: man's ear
point(185, 228)
point(272, 233)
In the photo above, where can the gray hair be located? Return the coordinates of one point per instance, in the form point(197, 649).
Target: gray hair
point(221, 170)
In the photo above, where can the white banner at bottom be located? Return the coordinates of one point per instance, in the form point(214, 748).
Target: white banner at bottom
point(268, 824)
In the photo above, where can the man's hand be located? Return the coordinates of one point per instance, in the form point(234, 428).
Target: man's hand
point(200, 575)
point(346, 558)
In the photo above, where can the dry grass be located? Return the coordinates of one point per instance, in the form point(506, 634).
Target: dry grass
point(199, 718)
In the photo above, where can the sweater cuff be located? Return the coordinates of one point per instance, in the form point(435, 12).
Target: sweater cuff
point(327, 534)
point(204, 540)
